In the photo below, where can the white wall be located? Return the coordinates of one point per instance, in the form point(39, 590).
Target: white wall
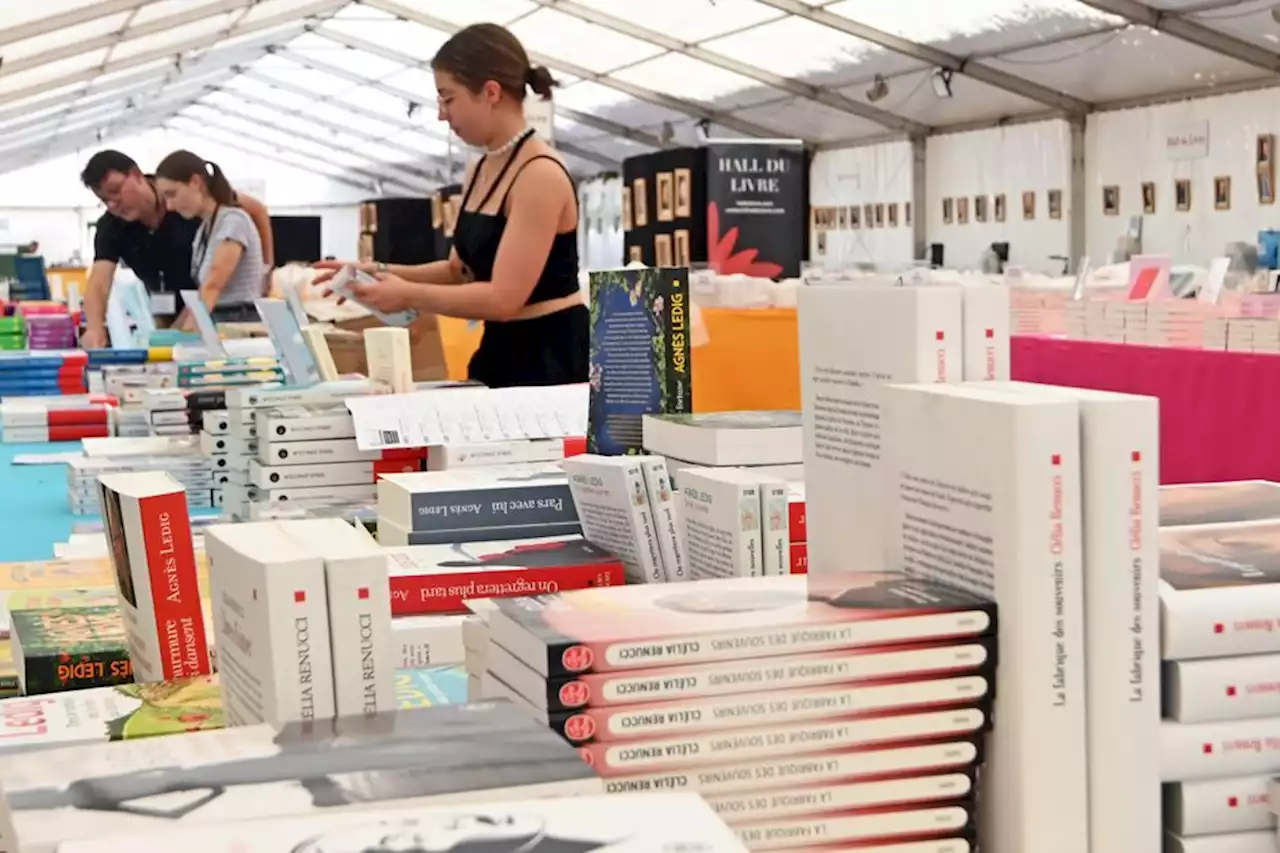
point(47, 203)
point(874, 174)
point(1126, 148)
point(1009, 160)
point(600, 236)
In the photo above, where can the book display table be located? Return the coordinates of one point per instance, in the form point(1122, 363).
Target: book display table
point(1218, 410)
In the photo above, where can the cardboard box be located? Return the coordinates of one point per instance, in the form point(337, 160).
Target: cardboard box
point(426, 347)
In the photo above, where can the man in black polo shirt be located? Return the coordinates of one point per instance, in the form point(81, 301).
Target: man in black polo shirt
point(140, 232)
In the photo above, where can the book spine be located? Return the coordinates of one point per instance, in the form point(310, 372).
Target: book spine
point(662, 502)
point(1120, 480)
point(646, 531)
point(1237, 621)
point(677, 370)
point(1195, 751)
point(438, 641)
point(1235, 688)
point(1215, 806)
point(302, 660)
point(359, 601)
point(429, 592)
point(748, 532)
point(886, 823)
point(774, 528)
point(71, 671)
point(773, 803)
point(482, 507)
point(178, 617)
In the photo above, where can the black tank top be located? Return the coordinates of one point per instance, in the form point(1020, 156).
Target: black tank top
point(476, 237)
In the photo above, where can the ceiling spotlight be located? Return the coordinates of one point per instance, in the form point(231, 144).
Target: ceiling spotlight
point(941, 82)
point(878, 90)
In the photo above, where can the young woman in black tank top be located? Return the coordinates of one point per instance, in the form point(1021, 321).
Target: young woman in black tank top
point(514, 262)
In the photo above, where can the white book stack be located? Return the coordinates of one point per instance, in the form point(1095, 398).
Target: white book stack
point(167, 411)
point(982, 490)
point(723, 516)
point(185, 465)
point(307, 456)
point(854, 340)
point(229, 440)
point(1219, 596)
point(611, 497)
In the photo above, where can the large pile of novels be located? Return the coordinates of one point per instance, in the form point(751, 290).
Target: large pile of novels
point(50, 330)
point(1220, 593)
point(844, 708)
point(25, 374)
point(178, 458)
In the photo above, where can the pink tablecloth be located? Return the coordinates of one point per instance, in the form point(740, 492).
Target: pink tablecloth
point(1219, 411)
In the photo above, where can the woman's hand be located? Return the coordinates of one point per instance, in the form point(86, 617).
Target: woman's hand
point(389, 295)
point(331, 269)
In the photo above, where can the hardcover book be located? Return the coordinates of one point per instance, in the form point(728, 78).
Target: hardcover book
point(149, 533)
point(1220, 589)
point(854, 339)
point(636, 627)
point(1219, 503)
point(451, 753)
point(612, 503)
point(727, 438)
point(640, 354)
point(982, 490)
point(69, 649)
point(652, 823)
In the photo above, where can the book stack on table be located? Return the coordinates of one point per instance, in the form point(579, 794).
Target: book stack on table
point(28, 374)
point(13, 333)
point(38, 422)
point(50, 330)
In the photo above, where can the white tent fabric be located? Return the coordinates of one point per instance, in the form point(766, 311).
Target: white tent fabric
point(345, 88)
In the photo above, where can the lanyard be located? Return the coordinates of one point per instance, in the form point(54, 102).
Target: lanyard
point(206, 233)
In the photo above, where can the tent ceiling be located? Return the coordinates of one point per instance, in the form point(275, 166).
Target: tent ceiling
point(344, 88)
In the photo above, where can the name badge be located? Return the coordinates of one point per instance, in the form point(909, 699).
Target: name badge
point(164, 304)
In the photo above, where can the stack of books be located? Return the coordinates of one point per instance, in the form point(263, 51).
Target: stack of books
point(50, 330)
point(446, 457)
point(1220, 593)
point(25, 374)
point(180, 411)
point(843, 710)
point(37, 422)
point(13, 333)
point(184, 465)
point(727, 440)
point(57, 649)
point(230, 372)
point(127, 382)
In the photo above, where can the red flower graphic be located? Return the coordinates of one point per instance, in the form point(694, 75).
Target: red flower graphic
point(722, 258)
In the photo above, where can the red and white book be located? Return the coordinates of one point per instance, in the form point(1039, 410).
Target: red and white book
point(428, 579)
point(1220, 590)
point(1214, 806)
point(797, 801)
point(860, 826)
point(1193, 751)
point(148, 533)
point(1213, 689)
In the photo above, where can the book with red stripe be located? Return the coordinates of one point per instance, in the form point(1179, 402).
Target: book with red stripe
point(149, 533)
point(439, 578)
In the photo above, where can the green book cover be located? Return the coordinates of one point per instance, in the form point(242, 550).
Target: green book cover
point(69, 648)
point(640, 354)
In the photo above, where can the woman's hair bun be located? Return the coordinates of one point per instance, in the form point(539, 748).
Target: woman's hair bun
point(539, 79)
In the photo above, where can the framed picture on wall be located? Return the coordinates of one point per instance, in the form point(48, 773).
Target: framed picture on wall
point(640, 203)
point(855, 216)
point(962, 210)
point(666, 196)
point(979, 208)
point(1000, 204)
point(842, 218)
point(879, 215)
point(1266, 186)
point(1266, 148)
point(947, 211)
point(662, 250)
point(626, 208)
point(893, 215)
point(1055, 204)
point(680, 240)
point(1029, 204)
point(635, 255)
point(1182, 195)
point(822, 243)
point(869, 215)
point(684, 192)
point(906, 213)
point(1111, 201)
point(1222, 193)
point(1148, 198)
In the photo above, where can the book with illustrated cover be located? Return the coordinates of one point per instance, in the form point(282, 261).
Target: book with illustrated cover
point(69, 648)
point(312, 770)
point(431, 686)
point(635, 627)
point(652, 823)
point(1213, 806)
point(440, 578)
point(727, 438)
point(640, 354)
point(1219, 503)
point(1220, 590)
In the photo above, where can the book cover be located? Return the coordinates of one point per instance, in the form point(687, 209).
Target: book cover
point(1214, 806)
point(641, 824)
point(476, 500)
point(148, 531)
point(634, 627)
point(69, 648)
point(665, 505)
point(841, 766)
point(982, 489)
point(640, 354)
point(488, 750)
point(727, 438)
point(853, 341)
point(1220, 590)
point(426, 687)
point(612, 503)
point(441, 578)
point(664, 684)
point(1219, 689)
point(720, 516)
point(1219, 503)
point(422, 641)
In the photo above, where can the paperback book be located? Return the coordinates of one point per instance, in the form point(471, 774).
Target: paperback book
point(69, 648)
point(720, 439)
point(1215, 806)
point(1218, 689)
point(612, 503)
point(721, 519)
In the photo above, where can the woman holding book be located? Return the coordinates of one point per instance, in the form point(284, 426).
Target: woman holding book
point(226, 253)
point(514, 262)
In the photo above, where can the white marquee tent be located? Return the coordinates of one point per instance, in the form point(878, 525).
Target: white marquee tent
point(344, 88)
